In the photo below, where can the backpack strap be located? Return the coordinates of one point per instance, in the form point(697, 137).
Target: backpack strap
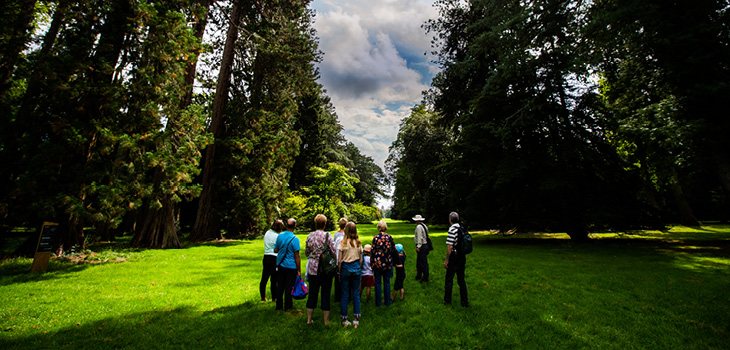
point(424, 228)
point(459, 239)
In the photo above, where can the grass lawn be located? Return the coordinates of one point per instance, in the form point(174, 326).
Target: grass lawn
point(645, 290)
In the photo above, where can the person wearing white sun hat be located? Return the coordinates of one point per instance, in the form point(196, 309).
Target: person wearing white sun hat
point(422, 248)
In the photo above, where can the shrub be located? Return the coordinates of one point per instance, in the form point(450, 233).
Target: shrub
point(363, 214)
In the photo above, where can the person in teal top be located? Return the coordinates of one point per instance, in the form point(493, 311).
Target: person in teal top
point(288, 263)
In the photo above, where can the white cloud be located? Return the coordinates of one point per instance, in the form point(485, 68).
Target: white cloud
point(374, 67)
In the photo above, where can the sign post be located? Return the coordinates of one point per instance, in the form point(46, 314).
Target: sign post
point(47, 237)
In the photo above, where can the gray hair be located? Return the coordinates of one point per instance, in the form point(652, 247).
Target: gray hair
point(454, 217)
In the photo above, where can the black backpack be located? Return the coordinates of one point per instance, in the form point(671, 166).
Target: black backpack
point(464, 244)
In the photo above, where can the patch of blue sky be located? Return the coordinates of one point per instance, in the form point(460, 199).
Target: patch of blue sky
point(321, 6)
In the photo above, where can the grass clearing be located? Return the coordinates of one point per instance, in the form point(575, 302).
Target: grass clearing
point(663, 290)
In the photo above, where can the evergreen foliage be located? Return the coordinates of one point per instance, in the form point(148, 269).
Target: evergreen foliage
point(105, 131)
point(569, 115)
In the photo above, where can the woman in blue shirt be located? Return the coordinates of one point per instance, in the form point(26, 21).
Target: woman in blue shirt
point(269, 271)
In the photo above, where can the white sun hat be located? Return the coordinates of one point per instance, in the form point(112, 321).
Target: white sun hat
point(418, 217)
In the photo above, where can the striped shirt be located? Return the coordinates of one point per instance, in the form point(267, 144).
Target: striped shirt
point(453, 235)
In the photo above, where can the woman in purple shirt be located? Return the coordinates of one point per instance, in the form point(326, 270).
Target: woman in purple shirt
point(317, 242)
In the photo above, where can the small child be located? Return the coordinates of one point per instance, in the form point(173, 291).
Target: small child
point(400, 272)
point(367, 273)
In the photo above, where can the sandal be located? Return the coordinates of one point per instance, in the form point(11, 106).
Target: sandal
point(346, 323)
point(355, 323)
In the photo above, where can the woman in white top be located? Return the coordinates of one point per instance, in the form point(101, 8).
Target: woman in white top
point(270, 259)
point(339, 235)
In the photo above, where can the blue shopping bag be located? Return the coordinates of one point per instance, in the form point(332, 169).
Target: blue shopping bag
point(300, 289)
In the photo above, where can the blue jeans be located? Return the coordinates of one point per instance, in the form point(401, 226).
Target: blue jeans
point(350, 282)
point(386, 275)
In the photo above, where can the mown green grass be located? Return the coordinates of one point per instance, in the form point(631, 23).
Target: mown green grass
point(648, 290)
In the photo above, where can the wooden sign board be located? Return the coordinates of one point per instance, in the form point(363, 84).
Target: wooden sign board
point(46, 240)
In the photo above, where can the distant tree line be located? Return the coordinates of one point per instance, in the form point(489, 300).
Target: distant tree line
point(571, 115)
point(140, 118)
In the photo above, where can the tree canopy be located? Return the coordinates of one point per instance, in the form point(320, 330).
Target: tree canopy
point(113, 125)
point(569, 115)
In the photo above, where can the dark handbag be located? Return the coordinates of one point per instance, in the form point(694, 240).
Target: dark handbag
point(328, 260)
point(394, 255)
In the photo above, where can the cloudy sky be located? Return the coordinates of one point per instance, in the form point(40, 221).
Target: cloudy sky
point(375, 65)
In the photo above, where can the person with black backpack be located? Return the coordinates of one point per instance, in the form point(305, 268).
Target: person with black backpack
point(423, 247)
point(455, 263)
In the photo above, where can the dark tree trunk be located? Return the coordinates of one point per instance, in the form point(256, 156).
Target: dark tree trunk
point(723, 172)
point(686, 214)
point(71, 235)
point(49, 40)
point(10, 152)
point(578, 234)
point(19, 33)
point(108, 50)
point(104, 231)
point(35, 81)
point(129, 223)
point(159, 228)
point(199, 27)
point(206, 226)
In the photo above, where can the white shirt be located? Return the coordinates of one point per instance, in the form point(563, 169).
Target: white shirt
point(420, 235)
point(270, 242)
point(366, 269)
point(339, 236)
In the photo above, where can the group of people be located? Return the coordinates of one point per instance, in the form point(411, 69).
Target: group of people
point(358, 267)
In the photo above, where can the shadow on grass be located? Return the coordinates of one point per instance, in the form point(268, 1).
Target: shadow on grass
point(18, 271)
point(221, 244)
point(256, 325)
point(248, 325)
point(183, 327)
point(719, 247)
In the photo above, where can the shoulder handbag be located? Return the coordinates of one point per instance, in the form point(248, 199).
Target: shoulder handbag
point(327, 260)
point(281, 255)
point(429, 245)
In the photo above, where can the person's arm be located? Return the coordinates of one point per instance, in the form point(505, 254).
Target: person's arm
point(416, 238)
point(307, 249)
point(332, 247)
point(449, 248)
point(339, 260)
point(298, 261)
